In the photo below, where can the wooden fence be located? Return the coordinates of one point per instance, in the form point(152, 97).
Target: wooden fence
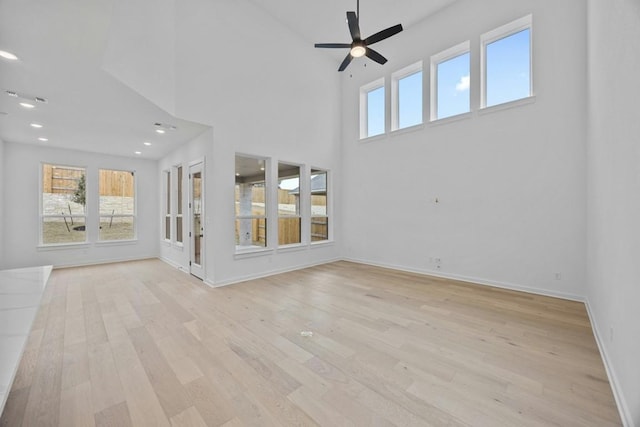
point(59, 179)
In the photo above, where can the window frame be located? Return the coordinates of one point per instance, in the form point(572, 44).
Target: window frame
point(364, 107)
point(299, 207)
point(178, 208)
point(134, 215)
point(42, 215)
point(396, 76)
point(328, 209)
point(166, 203)
point(437, 59)
point(502, 32)
point(266, 165)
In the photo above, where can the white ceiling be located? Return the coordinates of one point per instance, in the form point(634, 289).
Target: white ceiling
point(61, 45)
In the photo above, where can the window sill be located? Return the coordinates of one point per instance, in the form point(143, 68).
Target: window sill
point(251, 253)
point(292, 248)
point(408, 129)
point(507, 105)
point(450, 119)
point(178, 246)
point(165, 242)
point(116, 242)
point(321, 243)
point(373, 138)
point(61, 246)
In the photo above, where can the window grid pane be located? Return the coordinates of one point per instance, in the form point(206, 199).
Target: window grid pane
point(319, 206)
point(410, 100)
point(375, 112)
point(508, 68)
point(289, 221)
point(453, 84)
point(117, 205)
point(250, 203)
point(63, 204)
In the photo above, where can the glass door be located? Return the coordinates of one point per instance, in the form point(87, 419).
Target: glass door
point(196, 210)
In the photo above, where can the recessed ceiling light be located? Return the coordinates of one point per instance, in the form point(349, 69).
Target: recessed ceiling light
point(138, 152)
point(148, 144)
point(43, 139)
point(237, 173)
point(11, 93)
point(160, 130)
point(8, 55)
point(36, 125)
point(27, 105)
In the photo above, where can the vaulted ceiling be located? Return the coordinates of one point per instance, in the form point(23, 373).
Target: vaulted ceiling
point(70, 53)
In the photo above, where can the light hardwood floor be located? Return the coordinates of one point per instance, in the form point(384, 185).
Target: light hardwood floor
point(141, 343)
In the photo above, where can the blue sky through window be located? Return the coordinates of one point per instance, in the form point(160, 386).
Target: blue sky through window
point(375, 112)
point(410, 100)
point(508, 63)
point(453, 86)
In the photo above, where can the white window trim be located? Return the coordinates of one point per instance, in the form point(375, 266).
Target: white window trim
point(299, 215)
point(364, 107)
point(395, 94)
point(526, 22)
point(268, 207)
point(166, 200)
point(329, 214)
point(135, 208)
point(437, 59)
point(178, 187)
point(41, 216)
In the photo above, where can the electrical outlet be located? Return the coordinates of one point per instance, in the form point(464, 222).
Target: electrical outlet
point(438, 263)
point(558, 276)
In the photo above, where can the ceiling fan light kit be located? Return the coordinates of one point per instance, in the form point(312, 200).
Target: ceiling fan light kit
point(358, 47)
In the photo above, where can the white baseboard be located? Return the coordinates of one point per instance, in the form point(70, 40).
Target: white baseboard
point(104, 261)
point(623, 408)
point(227, 282)
point(173, 264)
point(474, 280)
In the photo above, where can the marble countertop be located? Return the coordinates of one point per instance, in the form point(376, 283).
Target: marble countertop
point(20, 295)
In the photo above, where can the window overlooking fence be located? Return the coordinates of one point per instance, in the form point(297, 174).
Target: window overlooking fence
point(250, 203)
point(167, 205)
point(117, 205)
point(319, 208)
point(289, 219)
point(63, 212)
point(179, 219)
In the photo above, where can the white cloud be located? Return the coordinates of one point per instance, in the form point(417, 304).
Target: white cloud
point(463, 84)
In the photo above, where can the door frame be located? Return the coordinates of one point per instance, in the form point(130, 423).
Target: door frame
point(197, 270)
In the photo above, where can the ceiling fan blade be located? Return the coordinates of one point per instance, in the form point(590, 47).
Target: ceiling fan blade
point(375, 56)
point(354, 27)
point(333, 45)
point(384, 34)
point(346, 62)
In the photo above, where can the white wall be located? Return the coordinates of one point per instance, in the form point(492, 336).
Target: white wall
point(22, 165)
point(613, 193)
point(2, 185)
point(278, 98)
point(510, 183)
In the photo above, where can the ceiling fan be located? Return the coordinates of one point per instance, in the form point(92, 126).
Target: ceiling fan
point(358, 47)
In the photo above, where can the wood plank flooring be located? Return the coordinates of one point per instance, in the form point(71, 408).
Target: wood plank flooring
point(142, 344)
